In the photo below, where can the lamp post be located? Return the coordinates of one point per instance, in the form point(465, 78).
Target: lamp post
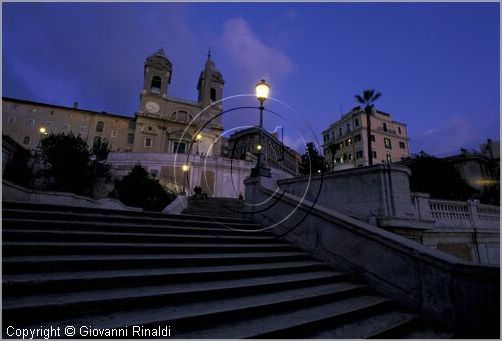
point(198, 138)
point(262, 89)
point(185, 168)
point(43, 132)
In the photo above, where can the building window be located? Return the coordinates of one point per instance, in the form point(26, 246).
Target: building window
point(357, 138)
point(384, 126)
point(100, 126)
point(372, 138)
point(389, 158)
point(350, 156)
point(213, 95)
point(132, 124)
point(66, 127)
point(11, 119)
point(81, 130)
point(356, 122)
point(114, 133)
point(130, 138)
point(26, 140)
point(348, 127)
point(179, 147)
point(148, 142)
point(340, 131)
point(30, 122)
point(52, 113)
point(332, 135)
point(97, 140)
point(399, 130)
point(156, 85)
point(402, 145)
point(387, 143)
point(359, 154)
point(374, 154)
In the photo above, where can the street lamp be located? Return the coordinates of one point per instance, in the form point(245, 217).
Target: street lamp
point(198, 138)
point(262, 90)
point(43, 132)
point(185, 168)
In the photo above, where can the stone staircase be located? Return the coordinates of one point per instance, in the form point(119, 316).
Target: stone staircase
point(218, 207)
point(202, 278)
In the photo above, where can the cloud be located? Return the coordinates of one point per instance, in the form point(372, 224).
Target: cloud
point(253, 57)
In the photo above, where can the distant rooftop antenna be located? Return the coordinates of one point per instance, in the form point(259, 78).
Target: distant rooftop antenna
point(209, 52)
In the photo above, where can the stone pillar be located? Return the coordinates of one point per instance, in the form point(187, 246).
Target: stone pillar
point(473, 213)
point(421, 202)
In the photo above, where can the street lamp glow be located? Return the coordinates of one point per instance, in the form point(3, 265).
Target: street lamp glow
point(198, 137)
point(259, 147)
point(262, 90)
point(42, 130)
point(185, 167)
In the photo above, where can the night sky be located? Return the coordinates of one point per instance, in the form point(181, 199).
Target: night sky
point(437, 65)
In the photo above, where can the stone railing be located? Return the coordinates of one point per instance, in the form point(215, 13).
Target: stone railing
point(460, 294)
point(456, 214)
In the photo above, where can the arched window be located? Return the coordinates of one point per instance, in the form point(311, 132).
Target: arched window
point(100, 126)
point(213, 95)
point(156, 84)
point(26, 140)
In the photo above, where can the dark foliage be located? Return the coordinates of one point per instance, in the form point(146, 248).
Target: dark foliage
point(438, 178)
point(68, 157)
point(311, 162)
point(18, 171)
point(138, 189)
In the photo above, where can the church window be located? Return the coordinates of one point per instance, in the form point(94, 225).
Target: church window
point(26, 140)
point(156, 84)
point(213, 95)
point(100, 126)
point(130, 138)
point(148, 142)
point(179, 147)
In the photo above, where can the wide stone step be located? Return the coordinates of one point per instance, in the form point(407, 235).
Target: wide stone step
point(65, 235)
point(267, 323)
point(16, 285)
point(188, 220)
point(201, 228)
point(199, 314)
point(40, 264)
point(60, 305)
point(73, 248)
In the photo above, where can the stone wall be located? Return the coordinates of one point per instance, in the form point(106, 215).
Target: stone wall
point(460, 294)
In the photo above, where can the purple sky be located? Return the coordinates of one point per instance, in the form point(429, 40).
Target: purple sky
point(437, 65)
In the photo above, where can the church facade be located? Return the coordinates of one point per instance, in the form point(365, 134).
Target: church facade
point(162, 124)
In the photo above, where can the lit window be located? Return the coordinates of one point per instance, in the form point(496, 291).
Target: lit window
point(387, 143)
point(100, 126)
point(26, 140)
point(148, 142)
point(389, 158)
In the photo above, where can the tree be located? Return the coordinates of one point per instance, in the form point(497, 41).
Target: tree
point(438, 178)
point(368, 100)
point(68, 159)
point(311, 162)
point(138, 189)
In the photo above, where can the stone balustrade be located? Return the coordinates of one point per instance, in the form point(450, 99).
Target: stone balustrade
point(457, 214)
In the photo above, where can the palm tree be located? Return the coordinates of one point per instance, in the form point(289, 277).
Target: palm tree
point(368, 100)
